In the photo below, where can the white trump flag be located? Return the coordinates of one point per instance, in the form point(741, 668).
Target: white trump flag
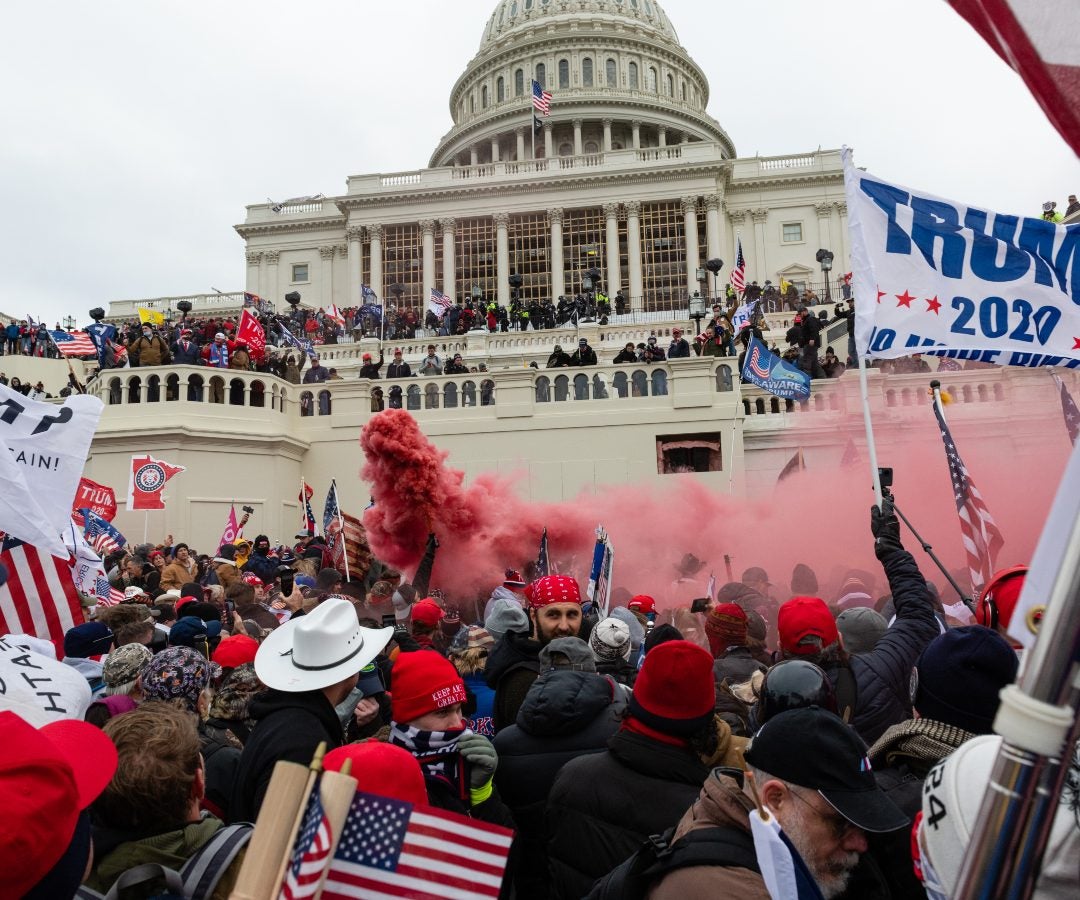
point(939, 277)
point(43, 448)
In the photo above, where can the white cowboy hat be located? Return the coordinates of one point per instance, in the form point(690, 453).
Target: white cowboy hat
point(319, 649)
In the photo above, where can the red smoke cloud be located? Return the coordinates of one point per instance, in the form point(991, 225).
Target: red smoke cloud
point(819, 517)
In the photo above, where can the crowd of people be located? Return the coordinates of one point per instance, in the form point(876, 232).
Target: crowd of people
point(628, 746)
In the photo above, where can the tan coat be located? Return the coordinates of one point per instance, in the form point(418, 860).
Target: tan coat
point(174, 575)
point(227, 573)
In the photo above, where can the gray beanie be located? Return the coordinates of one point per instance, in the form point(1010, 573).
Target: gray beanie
point(505, 615)
point(610, 640)
point(637, 630)
point(575, 650)
point(861, 627)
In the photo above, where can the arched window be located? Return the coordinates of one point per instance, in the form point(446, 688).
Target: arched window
point(236, 392)
point(564, 73)
point(307, 404)
point(500, 90)
point(116, 394)
point(468, 393)
point(541, 74)
point(592, 147)
point(258, 394)
point(472, 103)
point(134, 390)
point(670, 86)
point(483, 96)
point(543, 389)
point(586, 72)
point(631, 75)
point(620, 383)
point(562, 388)
point(172, 387)
point(519, 83)
point(566, 149)
point(650, 79)
point(683, 86)
point(431, 396)
point(450, 395)
point(611, 73)
point(412, 396)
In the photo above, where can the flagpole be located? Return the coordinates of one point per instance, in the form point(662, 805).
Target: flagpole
point(344, 543)
point(871, 447)
point(146, 526)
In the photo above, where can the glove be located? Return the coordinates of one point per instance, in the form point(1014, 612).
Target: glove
point(480, 754)
point(432, 541)
point(885, 527)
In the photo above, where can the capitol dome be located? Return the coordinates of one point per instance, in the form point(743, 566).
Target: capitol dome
point(618, 76)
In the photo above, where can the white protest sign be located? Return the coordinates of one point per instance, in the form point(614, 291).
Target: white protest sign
point(939, 277)
point(39, 689)
point(43, 448)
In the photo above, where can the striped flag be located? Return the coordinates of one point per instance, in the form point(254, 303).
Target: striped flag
point(101, 535)
point(738, 272)
point(307, 517)
point(543, 558)
point(352, 548)
point(439, 303)
point(39, 597)
point(106, 594)
point(1069, 410)
point(311, 852)
point(541, 99)
point(334, 314)
point(599, 588)
point(74, 343)
point(390, 848)
point(980, 534)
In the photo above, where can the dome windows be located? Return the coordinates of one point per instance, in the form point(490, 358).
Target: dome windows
point(650, 79)
point(611, 73)
point(670, 86)
point(541, 75)
point(632, 75)
point(587, 72)
point(500, 90)
point(483, 97)
point(564, 73)
point(519, 83)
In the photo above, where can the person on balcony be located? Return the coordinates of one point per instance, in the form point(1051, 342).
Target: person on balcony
point(627, 355)
point(149, 349)
point(456, 366)
point(559, 358)
point(679, 348)
point(185, 352)
point(431, 364)
point(369, 369)
point(584, 355)
point(653, 353)
point(318, 373)
point(217, 353)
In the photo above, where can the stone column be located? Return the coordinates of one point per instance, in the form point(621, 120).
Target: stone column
point(633, 253)
point(760, 215)
point(449, 270)
point(614, 270)
point(738, 229)
point(474, 157)
point(662, 135)
point(577, 137)
point(494, 150)
point(607, 135)
point(635, 131)
point(375, 237)
point(690, 233)
point(354, 236)
point(520, 135)
point(558, 278)
point(342, 284)
point(254, 257)
point(841, 249)
point(824, 213)
point(272, 286)
point(548, 142)
point(326, 274)
point(502, 258)
point(427, 236)
point(685, 139)
point(715, 240)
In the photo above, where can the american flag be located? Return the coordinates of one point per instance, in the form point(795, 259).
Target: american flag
point(74, 343)
point(353, 545)
point(980, 534)
point(439, 301)
point(307, 517)
point(599, 588)
point(39, 597)
point(390, 848)
point(101, 535)
point(331, 517)
point(1069, 410)
point(738, 273)
point(542, 559)
point(106, 594)
point(541, 99)
point(310, 853)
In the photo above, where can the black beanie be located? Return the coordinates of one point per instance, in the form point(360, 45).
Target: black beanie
point(960, 675)
point(660, 634)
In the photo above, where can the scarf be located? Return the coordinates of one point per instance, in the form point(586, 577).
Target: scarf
point(437, 753)
point(921, 743)
point(219, 356)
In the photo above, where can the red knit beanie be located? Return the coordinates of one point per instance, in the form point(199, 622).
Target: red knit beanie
point(803, 617)
point(674, 692)
point(725, 626)
point(382, 769)
point(422, 682)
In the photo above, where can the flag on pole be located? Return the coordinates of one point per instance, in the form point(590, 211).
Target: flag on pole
point(351, 555)
point(766, 370)
point(39, 597)
point(390, 848)
point(541, 99)
point(98, 498)
point(334, 314)
point(740, 319)
point(543, 563)
point(73, 343)
point(232, 528)
point(981, 537)
point(101, 334)
point(439, 303)
point(795, 464)
point(102, 536)
point(1069, 410)
point(250, 332)
point(310, 853)
point(88, 570)
point(147, 480)
point(367, 294)
point(151, 316)
point(332, 521)
point(738, 271)
point(599, 589)
point(307, 517)
point(302, 344)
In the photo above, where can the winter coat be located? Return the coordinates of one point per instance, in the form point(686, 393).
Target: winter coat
point(603, 806)
point(175, 575)
point(565, 715)
point(398, 370)
point(149, 351)
point(512, 666)
point(288, 727)
point(185, 353)
point(483, 698)
point(263, 566)
point(625, 356)
point(226, 571)
point(583, 356)
point(679, 349)
point(736, 665)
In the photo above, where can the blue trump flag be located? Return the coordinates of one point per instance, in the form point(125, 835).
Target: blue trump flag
point(770, 373)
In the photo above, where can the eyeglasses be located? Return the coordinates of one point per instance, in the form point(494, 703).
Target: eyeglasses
point(839, 827)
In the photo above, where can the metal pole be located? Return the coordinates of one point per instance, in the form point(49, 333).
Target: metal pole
point(871, 447)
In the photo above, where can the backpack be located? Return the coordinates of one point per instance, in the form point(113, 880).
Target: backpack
point(197, 878)
point(718, 846)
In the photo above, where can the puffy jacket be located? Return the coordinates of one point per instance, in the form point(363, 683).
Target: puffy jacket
point(603, 806)
point(512, 667)
point(565, 715)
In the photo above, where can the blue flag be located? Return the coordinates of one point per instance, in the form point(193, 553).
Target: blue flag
point(770, 373)
point(301, 344)
point(101, 334)
point(100, 534)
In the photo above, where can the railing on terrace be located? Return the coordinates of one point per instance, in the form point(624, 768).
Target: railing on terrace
point(170, 385)
point(200, 303)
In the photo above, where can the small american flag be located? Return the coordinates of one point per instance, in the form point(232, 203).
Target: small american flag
point(106, 594)
point(390, 848)
point(74, 343)
point(543, 557)
point(439, 302)
point(1069, 410)
point(39, 597)
point(980, 534)
point(738, 273)
point(310, 853)
point(541, 99)
point(332, 522)
point(101, 535)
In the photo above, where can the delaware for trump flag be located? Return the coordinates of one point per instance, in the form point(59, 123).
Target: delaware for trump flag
point(770, 373)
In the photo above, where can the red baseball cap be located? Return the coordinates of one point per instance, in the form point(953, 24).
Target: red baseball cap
point(427, 612)
point(182, 602)
point(553, 589)
point(643, 603)
point(48, 776)
point(235, 651)
point(252, 579)
point(803, 617)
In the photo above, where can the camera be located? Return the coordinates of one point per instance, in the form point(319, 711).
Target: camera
point(700, 605)
point(885, 476)
point(389, 621)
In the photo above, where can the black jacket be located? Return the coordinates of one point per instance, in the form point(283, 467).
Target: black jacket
point(565, 715)
point(512, 667)
point(625, 356)
point(603, 806)
point(185, 353)
point(398, 370)
point(583, 356)
point(736, 665)
point(288, 727)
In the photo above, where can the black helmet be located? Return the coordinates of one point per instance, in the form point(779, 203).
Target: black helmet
point(794, 684)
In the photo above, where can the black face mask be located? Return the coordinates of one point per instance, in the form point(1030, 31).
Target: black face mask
point(262, 548)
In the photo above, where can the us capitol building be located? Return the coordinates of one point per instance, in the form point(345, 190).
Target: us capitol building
point(629, 174)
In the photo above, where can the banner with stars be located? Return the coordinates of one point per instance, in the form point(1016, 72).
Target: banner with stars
point(939, 277)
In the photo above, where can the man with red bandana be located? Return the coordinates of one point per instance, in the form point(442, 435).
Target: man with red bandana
point(554, 611)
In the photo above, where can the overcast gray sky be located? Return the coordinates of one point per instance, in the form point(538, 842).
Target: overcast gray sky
point(135, 132)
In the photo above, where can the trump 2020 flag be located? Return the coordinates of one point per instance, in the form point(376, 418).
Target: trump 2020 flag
point(43, 448)
point(770, 373)
point(940, 277)
point(147, 481)
point(232, 528)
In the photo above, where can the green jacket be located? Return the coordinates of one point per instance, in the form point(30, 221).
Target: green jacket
point(171, 849)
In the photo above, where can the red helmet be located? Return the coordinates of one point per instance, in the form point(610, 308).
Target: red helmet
point(999, 597)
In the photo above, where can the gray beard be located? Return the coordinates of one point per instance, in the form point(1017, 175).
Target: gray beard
point(831, 878)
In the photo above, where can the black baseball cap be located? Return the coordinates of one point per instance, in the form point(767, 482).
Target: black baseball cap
point(813, 748)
